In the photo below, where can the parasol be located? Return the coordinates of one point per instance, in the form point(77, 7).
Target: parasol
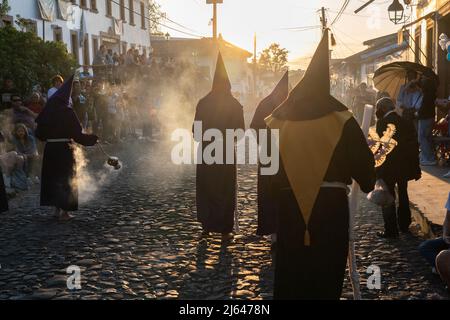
point(390, 77)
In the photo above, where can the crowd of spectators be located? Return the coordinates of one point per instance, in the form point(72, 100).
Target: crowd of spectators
point(121, 99)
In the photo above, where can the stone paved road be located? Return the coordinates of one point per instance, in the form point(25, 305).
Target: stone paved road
point(138, 239)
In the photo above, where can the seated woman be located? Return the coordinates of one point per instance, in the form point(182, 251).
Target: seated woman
point(12, 165)
point(443, 266)
point(443, 258)
point(430, 249)
point(25, 145)
point(35, 103)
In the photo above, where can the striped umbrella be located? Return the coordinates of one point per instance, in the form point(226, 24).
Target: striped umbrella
point(390, 77)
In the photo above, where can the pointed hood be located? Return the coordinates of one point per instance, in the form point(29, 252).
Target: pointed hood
point(60, 99)
point(311, 98)
point(221, 82)
point(281, 91)
point(268, 104)
point(62, 96)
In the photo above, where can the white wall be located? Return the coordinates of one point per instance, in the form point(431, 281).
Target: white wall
point(95, 23)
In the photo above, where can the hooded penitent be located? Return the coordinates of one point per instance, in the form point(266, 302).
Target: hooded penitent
point(216, 183)
point(309, 111)
point(267, 205)
point(268, 104)
point(221, 82)
point(3, 196)
point(59, 126)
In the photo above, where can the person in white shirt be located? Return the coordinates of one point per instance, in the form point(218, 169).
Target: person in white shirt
point(57, 82)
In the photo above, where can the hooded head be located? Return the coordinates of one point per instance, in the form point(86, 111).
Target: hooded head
point(221, 82)
point(60, 99)
point(281, 91)
point(62, 96)
point(311, 98)
point(268, 104)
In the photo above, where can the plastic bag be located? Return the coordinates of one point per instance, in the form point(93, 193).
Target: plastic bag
point(381, 195)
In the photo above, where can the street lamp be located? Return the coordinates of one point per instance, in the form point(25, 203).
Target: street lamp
point(395, 12)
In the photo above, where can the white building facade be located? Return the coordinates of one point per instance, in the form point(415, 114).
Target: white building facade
point(118, 24)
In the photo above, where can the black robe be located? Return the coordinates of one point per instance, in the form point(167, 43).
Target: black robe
point(59, 182)
point(267, 206)
point(3, 196)
point(317, 271)
point(216, 183)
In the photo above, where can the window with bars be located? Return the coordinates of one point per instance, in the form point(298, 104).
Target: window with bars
point(86, 58)
point(57, 34)
point(94, 45)
point(429, 52)
point(94, 5)
point(74, 45)
point(142, 15)
point(108, 8)
point(122, 10)
point(131, 10)
point(417, 44)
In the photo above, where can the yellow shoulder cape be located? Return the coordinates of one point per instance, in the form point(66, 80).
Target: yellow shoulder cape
point(306, 148)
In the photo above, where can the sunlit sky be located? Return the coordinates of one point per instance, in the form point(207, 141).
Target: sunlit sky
point(238, 20)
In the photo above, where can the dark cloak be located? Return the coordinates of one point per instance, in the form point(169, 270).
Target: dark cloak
point(3, 196)
point(216, 183)
point(267, 217)
point(59, 121)
point(316, 271)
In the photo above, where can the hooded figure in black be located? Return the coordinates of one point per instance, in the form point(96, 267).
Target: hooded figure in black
point(59, 126)
point(216, 183)
point(267, 218)
point(3, 196)
point(321, 148)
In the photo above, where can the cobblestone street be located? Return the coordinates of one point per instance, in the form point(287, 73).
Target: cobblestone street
point(138, 238)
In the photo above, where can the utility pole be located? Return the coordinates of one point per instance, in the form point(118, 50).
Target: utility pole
point(214, 22)
point(323, 19)
point(215, 19)
point(254, 67)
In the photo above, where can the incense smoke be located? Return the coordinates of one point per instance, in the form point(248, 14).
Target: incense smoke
point(89, 182)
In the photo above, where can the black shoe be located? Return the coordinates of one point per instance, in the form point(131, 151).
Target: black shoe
point(204, 235)
point(227, 237)
point(273, 247)
point(387, 235)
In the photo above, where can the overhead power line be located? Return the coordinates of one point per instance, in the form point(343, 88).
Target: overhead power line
point(305, 28)
point(341, 11)
point(157, 22)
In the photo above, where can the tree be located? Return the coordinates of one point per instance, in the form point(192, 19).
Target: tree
point(273, 58)
point(29, 60)
point(4, 8)
point(156, 15)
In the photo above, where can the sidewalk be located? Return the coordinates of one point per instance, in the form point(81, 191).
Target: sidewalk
point(430, 193)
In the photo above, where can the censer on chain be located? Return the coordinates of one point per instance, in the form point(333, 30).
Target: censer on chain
point(111, 161)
